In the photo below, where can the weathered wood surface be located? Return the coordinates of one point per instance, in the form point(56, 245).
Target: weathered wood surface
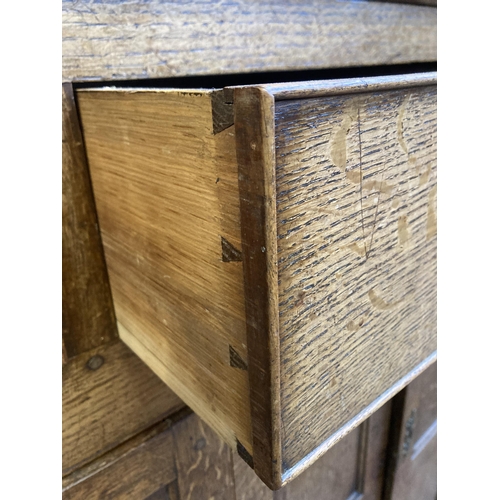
point(109, 395)
point(204, 462)
point(187, 461)
point(88, 316)
point(411, 472)
point(144, 471)
point(326, 88)
point(109, 40)
point(356, 210)
point(254, 128)
point(324, 307)
point(167, 196)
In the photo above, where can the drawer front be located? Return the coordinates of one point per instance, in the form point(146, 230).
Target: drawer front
point(338, 212)
point(356, 227)
point(272, 250)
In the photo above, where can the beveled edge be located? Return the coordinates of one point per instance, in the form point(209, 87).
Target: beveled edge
point(319, 451)
point(325, 88)
point(255, 153)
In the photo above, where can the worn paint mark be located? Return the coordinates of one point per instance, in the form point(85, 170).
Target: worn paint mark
point(401, 115)
point(218, 472)
point(354, 326)
point(300, 298)
point(396, 202)
point(424, 176)
point(356, 248)
point(381, 186)
point(235, 360)
point(403, 232)
point(380, 303)
point(431, 214)
point(338, 146)
point(355, 176)
point(229, 252)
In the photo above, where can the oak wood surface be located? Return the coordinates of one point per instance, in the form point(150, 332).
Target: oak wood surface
point(109, 40)
point(411, 470)
point(136, 475)
point(335, 262)
point(88, 315)
point(203, 461)
point(254, 130)
point(167, 197)
point(325, 88)
point(109, 396)
point(356, 184)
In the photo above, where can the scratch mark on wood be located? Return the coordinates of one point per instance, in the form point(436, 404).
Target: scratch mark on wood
point(401, 114)
point(338, 148)
point(361, 184)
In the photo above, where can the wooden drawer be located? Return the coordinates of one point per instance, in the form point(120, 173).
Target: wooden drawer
point(272, 250)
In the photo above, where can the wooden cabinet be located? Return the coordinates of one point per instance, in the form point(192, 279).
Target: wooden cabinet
point(279, 240)
point(186, 459)
point(268, 250)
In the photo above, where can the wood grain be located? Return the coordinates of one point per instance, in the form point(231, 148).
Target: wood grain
point(247, 485)
point(166, 192)
point(109, 395)
point(143, 472)
point(411, 469)
point(88, 315)
point(203, 462)
point(356, 177)
point(325, 88)
point(108, 40)
point(326, 289)
point(254, 128)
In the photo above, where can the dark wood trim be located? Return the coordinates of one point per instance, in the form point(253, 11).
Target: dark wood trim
point(88, 313)
point(254, 131)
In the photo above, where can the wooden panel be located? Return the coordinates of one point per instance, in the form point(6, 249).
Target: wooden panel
point(356, 205)
point(166, 38)
point(88, 316)
point(167, 198)
point(203, 461)
point(144, 472)
point(109, 395)
point(412, 465)
point(352, 469)
point(247, 485)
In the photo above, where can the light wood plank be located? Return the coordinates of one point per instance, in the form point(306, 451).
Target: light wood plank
point(110, 40)
point(109, 395)
point(166, 193)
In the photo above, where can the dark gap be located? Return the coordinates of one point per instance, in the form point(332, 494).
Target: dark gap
point(220, 81)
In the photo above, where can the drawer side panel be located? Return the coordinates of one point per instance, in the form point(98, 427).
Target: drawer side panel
point(166, 193)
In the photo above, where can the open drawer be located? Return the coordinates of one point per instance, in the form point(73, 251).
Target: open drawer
point(272, 250)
